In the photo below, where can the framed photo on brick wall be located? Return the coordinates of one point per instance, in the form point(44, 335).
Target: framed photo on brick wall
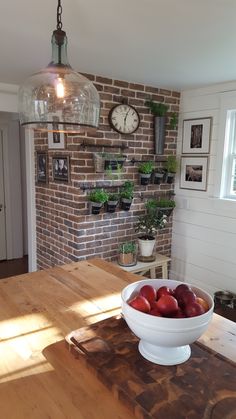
point(61, 168)
point(56, 139)
point(196, 136)
point(194, 173)
point(41, 167)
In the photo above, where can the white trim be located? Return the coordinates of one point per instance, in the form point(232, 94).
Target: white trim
point(31, 209)
point(9, 247)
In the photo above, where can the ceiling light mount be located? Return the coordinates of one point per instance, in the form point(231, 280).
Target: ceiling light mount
point(58, 98)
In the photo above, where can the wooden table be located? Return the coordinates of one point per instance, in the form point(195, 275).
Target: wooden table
point(37, 372)
point(143, 267)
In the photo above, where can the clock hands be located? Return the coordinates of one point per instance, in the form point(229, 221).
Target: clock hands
point(126, 118)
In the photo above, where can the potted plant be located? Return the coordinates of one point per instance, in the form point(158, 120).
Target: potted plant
point(162, 206)
point(145, 169)
point(97, 198)
point(112, 202)
point(127, 254)
point(159, 111)
point(148, 225)
point(171, 167)
point(158, 176)
point(126, 195)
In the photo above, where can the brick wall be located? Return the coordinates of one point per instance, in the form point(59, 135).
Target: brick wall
point(66, 231)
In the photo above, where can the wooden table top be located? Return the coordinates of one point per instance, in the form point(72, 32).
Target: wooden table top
point(37, 310)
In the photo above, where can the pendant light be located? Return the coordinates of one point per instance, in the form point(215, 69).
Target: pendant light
point(58, 98)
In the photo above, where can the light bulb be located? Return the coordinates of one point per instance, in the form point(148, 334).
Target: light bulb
point(60, 90)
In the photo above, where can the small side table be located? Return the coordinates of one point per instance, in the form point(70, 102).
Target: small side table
point(143, 267)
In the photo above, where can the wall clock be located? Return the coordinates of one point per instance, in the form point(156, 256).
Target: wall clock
point(124, 118)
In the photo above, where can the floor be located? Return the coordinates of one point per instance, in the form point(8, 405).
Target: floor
point(13, 267)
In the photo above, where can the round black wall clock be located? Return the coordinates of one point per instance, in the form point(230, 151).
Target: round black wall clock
point(124, 118)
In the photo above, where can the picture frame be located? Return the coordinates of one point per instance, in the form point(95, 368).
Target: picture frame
point(41, 167)
point(56, 139)
point(61, 168)
point(194, 173)
point(196, 136)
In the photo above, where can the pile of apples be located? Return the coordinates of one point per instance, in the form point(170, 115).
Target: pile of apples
point(164, 302)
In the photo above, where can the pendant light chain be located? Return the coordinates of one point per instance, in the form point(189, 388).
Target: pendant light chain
point(59, 13)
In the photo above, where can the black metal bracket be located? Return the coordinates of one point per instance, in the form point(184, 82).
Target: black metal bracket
point(120, 146)
point(85, 187)
point(159, 159)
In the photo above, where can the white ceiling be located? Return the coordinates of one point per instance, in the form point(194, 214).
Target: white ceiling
point(170, 43)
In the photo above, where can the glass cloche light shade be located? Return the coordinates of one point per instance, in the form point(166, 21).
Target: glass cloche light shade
point(58, 98)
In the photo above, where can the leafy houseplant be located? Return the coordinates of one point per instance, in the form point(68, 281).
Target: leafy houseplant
point(97, 198)
point(145, 169)
point(148, 225)
point(171, 167)
point(159, 111)
point(127, 253)
point(112, 201)
point(126, 195)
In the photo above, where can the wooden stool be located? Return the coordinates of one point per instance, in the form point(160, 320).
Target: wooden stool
point(143, 267)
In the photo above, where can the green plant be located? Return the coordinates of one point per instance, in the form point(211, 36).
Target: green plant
point(127, 247)
point(150, 223)
point(98, 195)
point(127, 190)
point(151, 205)
point(171, 164)
point(157, 109)
point(166, 203)
point(113, 197)
point(146, 167)
point(174, 120)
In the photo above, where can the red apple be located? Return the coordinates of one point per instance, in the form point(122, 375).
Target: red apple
point(163, 291)
point(179, 289)
point(140, 303)
point(194, 309)
point(167, 305)
point(148, 292)
point(179, 314)
point(155, 312)
point(202, 303)
point(187, 297)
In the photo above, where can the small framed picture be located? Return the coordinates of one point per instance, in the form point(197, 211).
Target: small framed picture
point(56, 139)
point(196, 136)
point(42, 167)
point(194, 173)
point(60, 168)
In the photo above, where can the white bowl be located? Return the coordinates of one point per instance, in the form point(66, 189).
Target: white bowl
point(164, 341)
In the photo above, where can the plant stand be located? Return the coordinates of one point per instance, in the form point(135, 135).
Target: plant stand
point(147, 259)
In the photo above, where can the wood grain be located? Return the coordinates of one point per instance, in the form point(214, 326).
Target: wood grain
point(38, 376)
point(197, 388)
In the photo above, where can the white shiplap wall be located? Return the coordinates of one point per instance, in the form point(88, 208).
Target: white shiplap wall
point(204, 227)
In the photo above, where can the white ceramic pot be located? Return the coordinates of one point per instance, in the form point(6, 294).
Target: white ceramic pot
point(146, 247)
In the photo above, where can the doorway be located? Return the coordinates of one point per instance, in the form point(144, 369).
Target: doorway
point(3, 243)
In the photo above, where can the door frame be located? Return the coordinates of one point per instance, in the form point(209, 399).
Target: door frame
point(9, 103)
point(2, 129)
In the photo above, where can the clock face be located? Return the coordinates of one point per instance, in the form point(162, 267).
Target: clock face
point(124, 119)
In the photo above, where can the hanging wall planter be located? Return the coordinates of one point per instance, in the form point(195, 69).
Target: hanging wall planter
point(97, 198)
point(126, 204)
point(145, 178)
point(126, 195)
point(96, 207)
point(158, 177)
point(159, 123)
point(145, 172)
point(112, 202)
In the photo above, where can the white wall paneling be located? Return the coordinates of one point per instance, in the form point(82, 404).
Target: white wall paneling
point(204, 226)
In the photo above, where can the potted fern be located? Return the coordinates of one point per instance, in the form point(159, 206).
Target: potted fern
point(127, 254)
point(97, 198)
point(145, 169)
